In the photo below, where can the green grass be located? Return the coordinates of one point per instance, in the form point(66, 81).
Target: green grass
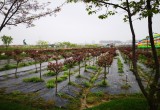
point(33, 79)
point(120, 66)
point(50, 73)
point(7, 105)
point(12, 66)
point(87, 84)
point(24, 101)
point(92, 67)
point(51, 83)
point(94, 97)
point(65, 68)
point(103, 83)
point(125, 86)
point(8, 66)
point(123, 104)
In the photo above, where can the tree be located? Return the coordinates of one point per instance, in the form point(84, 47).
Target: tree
point(105, 61)
point(6, 40)
point(14, 12)
point(42, 43)
point(41, 58)
point(55, 67)
point(70, 63)
point(18, 58)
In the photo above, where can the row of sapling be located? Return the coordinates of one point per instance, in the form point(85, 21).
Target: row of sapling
point(78, 58)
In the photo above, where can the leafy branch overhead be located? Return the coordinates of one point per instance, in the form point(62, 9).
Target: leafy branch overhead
point(16, 12)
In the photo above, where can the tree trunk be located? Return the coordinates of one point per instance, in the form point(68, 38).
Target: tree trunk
point(56, 83)
point(79, 68)
point(153, 87)
point(135, 72)
point(40, 70)
point(16, 70)
point(93, 61)
point(36, 67)
point(84, 65)
point(69, 75)
point(105, 75)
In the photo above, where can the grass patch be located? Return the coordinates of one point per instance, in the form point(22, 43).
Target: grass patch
point(103, 83)
point(24, 101)
point(65, 68)
point(8, 67)
point(33, 79)
point(96, 97)
point(125, 86)
point(120, 66)
point(87, 84)
point(50, 73)
point(74, 104)
point(12, 66)
point(50, 83)
point(92, 67)
point(79, 76)
point(123, 104)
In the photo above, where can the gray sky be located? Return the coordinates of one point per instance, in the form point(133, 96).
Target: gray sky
point(73, 24)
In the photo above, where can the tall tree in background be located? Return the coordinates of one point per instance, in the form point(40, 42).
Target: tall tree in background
point(14, 12)
point(6, 40)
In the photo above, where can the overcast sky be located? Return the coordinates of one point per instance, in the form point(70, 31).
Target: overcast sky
point(73, 24)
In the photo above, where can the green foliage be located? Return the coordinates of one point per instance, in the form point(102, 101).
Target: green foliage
point(123, 104)
point(125, 86)
point(6, 40)
point(42, 43)
point(8, 66)
point(120, 66)
point(74, 104)
point(33, 79)
point(94, 97)
point(21, 101)
point(65, 68)
point(92, 67)
point(3, 57)
point(50, 73)
point(50, 83)
point(103, 83)
point(87, 84)
point(79, 76)
point(12, 66)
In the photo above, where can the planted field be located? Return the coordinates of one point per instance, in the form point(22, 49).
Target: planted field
point(72, 78)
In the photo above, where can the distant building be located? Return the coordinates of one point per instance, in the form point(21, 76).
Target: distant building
point(109, 43)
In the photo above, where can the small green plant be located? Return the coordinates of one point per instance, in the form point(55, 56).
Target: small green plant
point(50, 83)
point(92, 67)
point(64, 68)
point(87, 84)
point(16, 92)
point(50, 73)
point(125, 86)
point(79, 76)
point(33, 79)
point(103, 83)
point(120, 66)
